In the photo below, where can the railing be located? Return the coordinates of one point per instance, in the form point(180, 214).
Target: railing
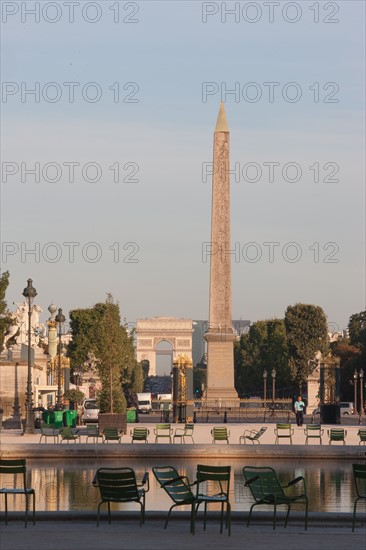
point(242, 411)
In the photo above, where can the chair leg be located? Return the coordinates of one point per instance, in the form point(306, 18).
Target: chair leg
point(26, 510)
point(274, 516)
point(6, 509)
point(193, 517)
point(109, 512)
point(250, 514)
point(354, 515)
point(228, 517)
point(221, 517)
point(288, 513)
point(204, 517)
point(306, 513)
point(34, 508)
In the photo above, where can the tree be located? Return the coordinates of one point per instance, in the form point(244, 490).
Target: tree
point(306, 329)
point(357, 330)
point(98, 332)
point(263, 348)
point(75, 396)
point(5, 319)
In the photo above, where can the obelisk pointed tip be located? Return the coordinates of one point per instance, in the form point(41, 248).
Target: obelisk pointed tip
point(221, 124)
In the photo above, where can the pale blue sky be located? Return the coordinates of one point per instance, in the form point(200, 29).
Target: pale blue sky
point(168, 133)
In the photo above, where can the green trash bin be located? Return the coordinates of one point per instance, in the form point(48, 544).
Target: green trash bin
point(58, 419)
point(69, 418)
point(131, 415)
point(48, 417)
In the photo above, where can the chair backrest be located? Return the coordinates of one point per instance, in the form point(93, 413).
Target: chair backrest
point(359, 474)
point(66, 433)
point(163, 428)
point(265, 481)
point(111, 433)
point(260, 433)
point(117, 484)
point(219, 433)
point(140, 433)
point(92, 429)
point(13, 467)
point(188, 429)
point(337, 434)
point(284, 427)
point(176, 486)
point(362, 434)
point(214, 475)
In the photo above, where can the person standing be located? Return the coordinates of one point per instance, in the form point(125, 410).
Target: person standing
point(299, 411)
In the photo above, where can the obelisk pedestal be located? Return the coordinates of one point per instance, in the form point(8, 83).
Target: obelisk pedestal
point(220, 335)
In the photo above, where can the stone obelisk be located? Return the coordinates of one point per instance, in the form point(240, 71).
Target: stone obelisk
point(220, 335)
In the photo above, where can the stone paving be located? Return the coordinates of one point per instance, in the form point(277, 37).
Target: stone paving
point(127, 535)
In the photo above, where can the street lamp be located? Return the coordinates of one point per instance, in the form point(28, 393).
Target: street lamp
point(273, 374)
point(264, 386)
point(361, 391)
point(29, 293)
point(355, 374)
point(60, 318)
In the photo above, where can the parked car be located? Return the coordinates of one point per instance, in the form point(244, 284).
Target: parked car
point(346, 407)
point(90, 411)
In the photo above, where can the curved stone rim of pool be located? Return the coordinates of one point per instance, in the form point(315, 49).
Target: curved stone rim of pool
point(163, 450)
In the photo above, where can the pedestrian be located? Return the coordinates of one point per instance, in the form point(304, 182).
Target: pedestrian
point(299, 411)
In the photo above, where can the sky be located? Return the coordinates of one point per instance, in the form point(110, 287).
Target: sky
point(105, 165)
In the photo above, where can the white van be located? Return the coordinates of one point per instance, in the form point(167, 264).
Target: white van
point(90, 411)
point(144, 403)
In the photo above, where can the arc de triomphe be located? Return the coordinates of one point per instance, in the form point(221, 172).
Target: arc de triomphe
point(150, 332)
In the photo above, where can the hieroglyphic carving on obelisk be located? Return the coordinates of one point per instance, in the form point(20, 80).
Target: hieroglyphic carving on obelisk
point(220, 335)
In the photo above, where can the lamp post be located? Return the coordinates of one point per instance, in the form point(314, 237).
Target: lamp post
point(60, 318)
point(29, 293)
point(355, 375)
point(273, 374)
point(264, 386)
point(361, 391)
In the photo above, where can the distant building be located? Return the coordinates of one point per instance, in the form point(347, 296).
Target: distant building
point(199, 330)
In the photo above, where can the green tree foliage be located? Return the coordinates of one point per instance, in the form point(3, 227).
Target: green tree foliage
point(98, 331)
point(357, 330)
point(75, 396)
point(263, 348)
point(5, 319)
point(306, 329)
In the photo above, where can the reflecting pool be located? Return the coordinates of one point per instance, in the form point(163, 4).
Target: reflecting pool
point(67, 485)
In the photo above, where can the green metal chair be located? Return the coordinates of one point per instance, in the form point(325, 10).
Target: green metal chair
point(362, 435)
point(68, 435)
point(266, 489)
point(337, 434)
point(359, 475)
point(252, 435)
point(220, 434)
point(139, 434)
point(92, 432)
point(178, 488)
point(313, 431)
point(283, 431)
point(14, 467)
point(119, 485)
point(47, 430)
point(163, 431)
point(182, 433)
point(111, 434)
point(213, 486)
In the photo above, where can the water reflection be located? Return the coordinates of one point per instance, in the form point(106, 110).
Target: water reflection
point(67, 485)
